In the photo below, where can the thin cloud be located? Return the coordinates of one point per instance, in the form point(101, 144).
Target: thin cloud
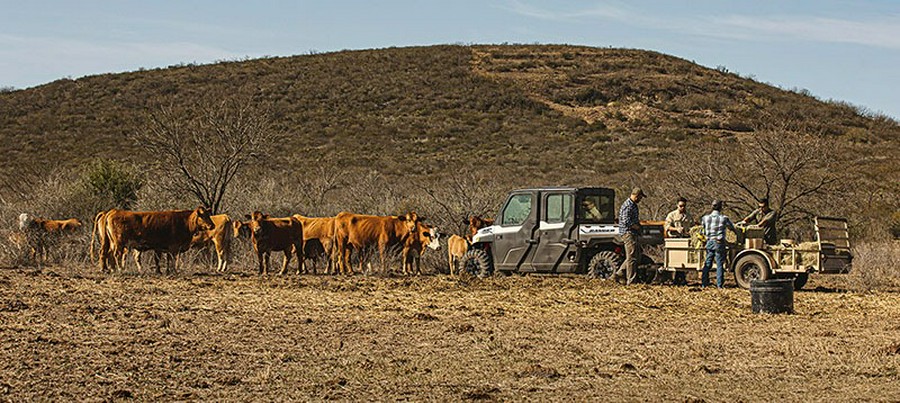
point(85, 58)
point(878, 32)
point(598, 11)
point(884, 32)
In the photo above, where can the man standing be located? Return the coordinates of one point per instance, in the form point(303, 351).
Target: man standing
point(630, 226)
point(714, 225)
point(765, 218)
point(678, 221)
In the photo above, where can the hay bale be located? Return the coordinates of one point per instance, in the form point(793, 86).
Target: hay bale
point(809, 252)
point(698, 240)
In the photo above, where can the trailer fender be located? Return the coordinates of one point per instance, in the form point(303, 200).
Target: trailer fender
point(767, 257)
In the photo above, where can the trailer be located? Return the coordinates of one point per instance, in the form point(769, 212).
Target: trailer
point(749, 258)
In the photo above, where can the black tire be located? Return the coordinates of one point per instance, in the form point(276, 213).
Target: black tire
point(477, 262)
point(749, 268)
point(800, 281)
point(646, 271)
point(603, 265)
point(680, 278)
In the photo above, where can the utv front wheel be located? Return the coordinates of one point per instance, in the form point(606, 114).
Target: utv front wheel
point(477, 262)
point(604, 265)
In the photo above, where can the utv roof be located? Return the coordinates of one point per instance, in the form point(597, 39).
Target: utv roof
point(552, 188)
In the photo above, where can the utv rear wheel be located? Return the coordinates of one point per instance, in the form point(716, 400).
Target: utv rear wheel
point(604, 265)
point(477, 262)
point(749, 268)
point(646, 270)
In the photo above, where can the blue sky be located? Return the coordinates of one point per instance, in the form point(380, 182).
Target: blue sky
point(843, 50)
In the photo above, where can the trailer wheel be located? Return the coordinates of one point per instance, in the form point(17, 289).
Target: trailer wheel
point(800, 281)
point(680, 278)
point(749, 268)
point(603, 265)
point(477, 262)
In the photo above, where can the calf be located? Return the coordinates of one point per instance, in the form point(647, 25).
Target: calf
point(415, 243)
point(219, 237)
point(275, 234)
point(318, 236)
point(457, 247)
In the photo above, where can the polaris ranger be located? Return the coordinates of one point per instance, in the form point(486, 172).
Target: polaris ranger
point(557, 230)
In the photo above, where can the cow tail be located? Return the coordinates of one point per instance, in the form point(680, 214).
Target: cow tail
point(93, 232)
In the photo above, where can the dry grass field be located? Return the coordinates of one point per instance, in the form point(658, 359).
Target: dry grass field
point(71, 334)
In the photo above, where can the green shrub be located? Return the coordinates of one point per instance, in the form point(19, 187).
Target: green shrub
point(115, 184)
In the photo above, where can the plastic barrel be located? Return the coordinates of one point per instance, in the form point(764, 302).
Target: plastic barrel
point(772, 296)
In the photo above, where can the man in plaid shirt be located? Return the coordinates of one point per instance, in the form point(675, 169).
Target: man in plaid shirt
point(630, 226)
point(714, 225)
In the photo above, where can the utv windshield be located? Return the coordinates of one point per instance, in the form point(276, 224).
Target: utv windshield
point(599, 209)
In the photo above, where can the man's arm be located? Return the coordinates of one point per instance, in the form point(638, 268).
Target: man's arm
point(750, 217)
point(729, 224)
point(769, 218)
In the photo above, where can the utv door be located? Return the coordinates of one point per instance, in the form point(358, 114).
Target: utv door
point(554, 234)
point(513, 241)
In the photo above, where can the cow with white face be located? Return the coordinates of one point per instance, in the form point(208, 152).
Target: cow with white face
point(423, 236)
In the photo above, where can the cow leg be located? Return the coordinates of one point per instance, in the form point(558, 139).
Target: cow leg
point(287, 261)
point(329, 263)
point(382, 255)
point(156, 258)
point(450, 260)
point(301, 256)
point(260, 257)
point(137, 260)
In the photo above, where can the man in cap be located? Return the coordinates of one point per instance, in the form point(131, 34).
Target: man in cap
point(630, 226)
point(714, 225)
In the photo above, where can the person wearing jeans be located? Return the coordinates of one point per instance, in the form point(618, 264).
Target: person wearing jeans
point(714, 225)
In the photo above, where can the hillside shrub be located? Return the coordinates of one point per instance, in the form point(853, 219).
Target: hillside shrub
point(114, 184)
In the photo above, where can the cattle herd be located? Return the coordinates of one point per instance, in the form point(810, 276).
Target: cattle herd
point(336, 240)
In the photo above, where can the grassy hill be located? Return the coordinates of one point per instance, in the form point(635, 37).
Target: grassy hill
point(516, 115)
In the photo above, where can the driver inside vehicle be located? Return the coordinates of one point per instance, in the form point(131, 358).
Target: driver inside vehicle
point(589, 210)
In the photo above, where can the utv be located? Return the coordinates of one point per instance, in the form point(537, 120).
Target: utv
point(557, 230)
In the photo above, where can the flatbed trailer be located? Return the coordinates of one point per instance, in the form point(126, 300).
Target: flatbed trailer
point(750, 259)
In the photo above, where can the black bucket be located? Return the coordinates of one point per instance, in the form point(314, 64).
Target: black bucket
point(772, 296)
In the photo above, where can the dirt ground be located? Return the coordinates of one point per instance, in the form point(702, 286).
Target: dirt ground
point(73, 334)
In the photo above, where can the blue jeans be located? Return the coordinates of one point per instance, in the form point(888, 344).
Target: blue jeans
point(714, 250)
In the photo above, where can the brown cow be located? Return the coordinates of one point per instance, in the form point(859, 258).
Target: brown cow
point(168, 232)
point(457, 247)
point(318, 236)
point(275, 234)
point(38, 232)
point(357, 232)
point(414, 247)
point(476, 223)
point(219, 237)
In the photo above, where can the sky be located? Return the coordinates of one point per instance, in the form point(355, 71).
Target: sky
point(836, 49)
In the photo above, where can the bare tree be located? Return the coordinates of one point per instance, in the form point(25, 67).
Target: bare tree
point(464, 194)
point(796, 171)
point(202, 153)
